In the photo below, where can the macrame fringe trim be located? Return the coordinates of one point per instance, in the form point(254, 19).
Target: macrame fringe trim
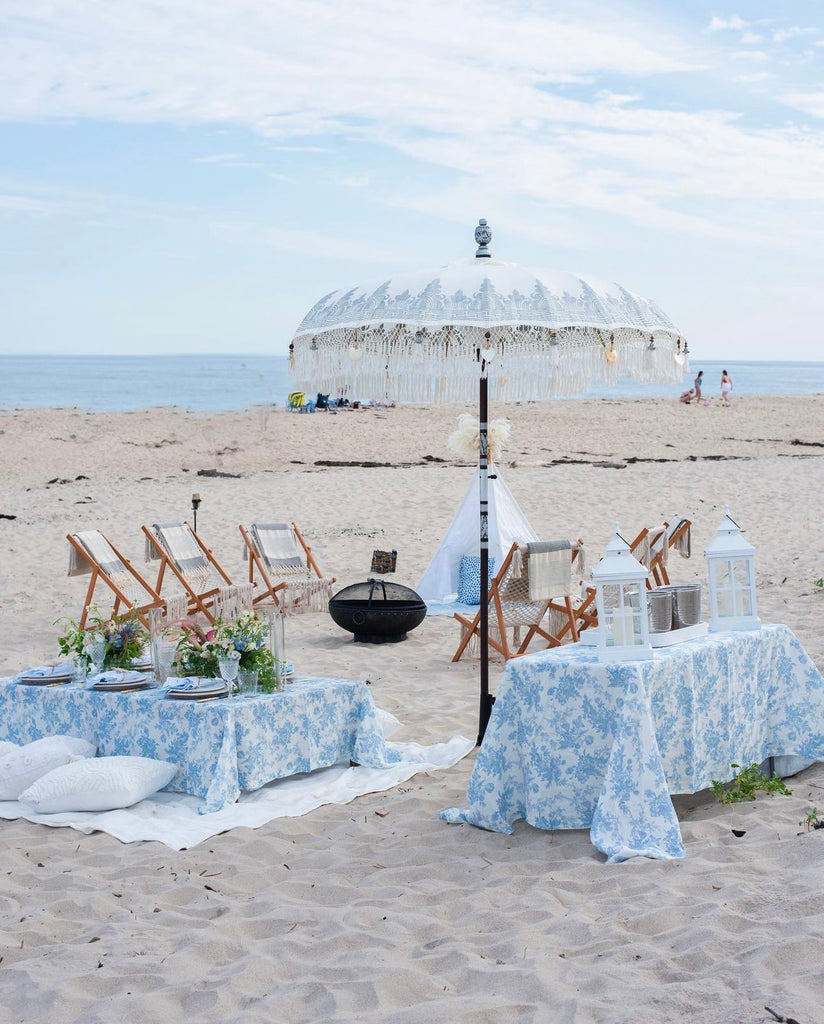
point(300, 596)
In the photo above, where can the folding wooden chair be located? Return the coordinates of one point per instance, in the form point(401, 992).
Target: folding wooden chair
point(672, 535)
point(282, 565)
point(92, 553)
point(514, 602)
point(208, 587)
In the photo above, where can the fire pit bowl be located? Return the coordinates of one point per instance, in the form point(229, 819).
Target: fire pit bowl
point(377, 612)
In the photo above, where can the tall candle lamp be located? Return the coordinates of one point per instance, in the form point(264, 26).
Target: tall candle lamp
point(621, 598)
point(731, 571)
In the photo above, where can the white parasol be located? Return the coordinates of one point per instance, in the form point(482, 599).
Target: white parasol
point(441, 336)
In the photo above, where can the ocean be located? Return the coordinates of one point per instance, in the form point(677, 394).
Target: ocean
point(223, 382)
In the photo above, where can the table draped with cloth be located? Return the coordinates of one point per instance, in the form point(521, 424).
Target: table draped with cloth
point(220, 746)
point(578, 743)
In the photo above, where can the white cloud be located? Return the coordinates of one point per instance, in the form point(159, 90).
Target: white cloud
point(755, 76)
point(24, 204)
point(756, 55)
point(734, 22)
point(219, 158)
point(298, 149)
point(781, 35)
point(809, 103)
point(534, 106)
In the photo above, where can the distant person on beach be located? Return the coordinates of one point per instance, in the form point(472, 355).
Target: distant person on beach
point(726, 387)
point(697, 384)
point(687, 396)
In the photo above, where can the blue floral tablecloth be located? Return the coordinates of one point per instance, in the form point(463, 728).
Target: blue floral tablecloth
point(575, 743)
point(221, 746)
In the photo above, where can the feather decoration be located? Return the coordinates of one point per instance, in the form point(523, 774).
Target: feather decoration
point(466, 439)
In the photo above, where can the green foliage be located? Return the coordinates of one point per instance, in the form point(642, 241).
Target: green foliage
point(746, 785)
point(811, 821)
point(819, 582)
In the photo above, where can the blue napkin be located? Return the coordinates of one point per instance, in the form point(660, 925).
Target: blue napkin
point(181, 683)
point(117, 675)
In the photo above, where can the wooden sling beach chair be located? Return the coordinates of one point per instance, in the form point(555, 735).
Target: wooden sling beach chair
point(673, 535)
point(531, 590)
point(90, 553)
point(283, 568)
point(185, 558)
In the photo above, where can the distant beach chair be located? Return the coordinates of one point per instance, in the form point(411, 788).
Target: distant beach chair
point(298, 402)
point(209, 589)
point(281, 563)
point(92, 553)
point(532, 590)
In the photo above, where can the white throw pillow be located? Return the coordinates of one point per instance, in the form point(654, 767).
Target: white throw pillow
point(6, 747)
point(23, 766)
point(98, 784)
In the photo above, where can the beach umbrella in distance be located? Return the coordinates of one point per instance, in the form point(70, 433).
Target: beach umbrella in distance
point(449, 335)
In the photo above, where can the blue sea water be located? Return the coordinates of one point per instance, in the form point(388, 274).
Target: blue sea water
point(225, 382)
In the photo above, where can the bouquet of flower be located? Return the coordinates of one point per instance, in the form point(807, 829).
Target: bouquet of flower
point(198, 649)
point(124, 637)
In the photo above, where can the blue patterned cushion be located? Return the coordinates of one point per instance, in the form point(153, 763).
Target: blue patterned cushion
point(469, 578)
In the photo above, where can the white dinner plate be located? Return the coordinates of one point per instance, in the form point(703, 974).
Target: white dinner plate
point(204, 692)
point(120, 685)
point(52, 680)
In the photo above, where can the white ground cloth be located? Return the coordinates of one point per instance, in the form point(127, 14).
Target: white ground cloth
point(174, 819)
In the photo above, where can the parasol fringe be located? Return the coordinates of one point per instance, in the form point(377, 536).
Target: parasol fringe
point(395, 366)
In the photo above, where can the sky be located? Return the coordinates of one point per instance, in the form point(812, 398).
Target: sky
point(194, 176)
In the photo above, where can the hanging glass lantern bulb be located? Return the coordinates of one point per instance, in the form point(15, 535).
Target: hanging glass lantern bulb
point(355, 353)
point(611, 355)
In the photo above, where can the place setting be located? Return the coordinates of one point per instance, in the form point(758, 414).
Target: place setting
point(200, 689)
point(119, 681)
point(47, 675)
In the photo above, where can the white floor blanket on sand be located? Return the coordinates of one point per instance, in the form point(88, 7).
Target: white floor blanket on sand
point(175, 818)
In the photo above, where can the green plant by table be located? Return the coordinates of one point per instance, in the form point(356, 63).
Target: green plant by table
point(747, 784)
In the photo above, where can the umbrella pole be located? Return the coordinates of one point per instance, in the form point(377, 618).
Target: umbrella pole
point(486, 699)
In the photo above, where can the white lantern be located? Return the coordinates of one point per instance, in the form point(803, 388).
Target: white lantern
point(621, 599)
point(731, 570)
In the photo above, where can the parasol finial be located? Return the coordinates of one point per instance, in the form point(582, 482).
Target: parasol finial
point(483, 236)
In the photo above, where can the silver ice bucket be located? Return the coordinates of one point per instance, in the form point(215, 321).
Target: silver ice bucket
point(660, 604)
point(686, 605)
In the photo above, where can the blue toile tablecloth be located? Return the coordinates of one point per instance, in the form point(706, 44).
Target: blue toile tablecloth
point(220, 746)
point(575, 743)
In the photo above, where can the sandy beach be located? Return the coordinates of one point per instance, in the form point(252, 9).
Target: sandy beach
point(377, 911)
